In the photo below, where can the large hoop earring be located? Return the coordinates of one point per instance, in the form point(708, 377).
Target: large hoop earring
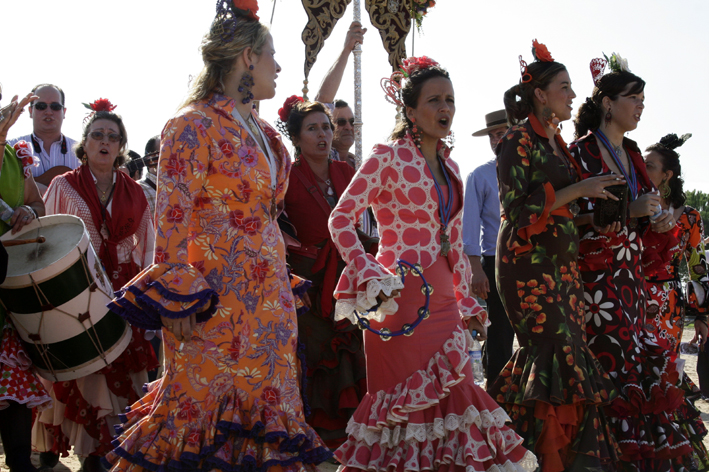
point(665, 190)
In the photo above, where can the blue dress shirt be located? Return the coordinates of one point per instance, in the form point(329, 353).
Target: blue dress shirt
point(481, 212)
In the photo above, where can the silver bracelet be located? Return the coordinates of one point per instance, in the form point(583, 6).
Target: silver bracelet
point(31, 210)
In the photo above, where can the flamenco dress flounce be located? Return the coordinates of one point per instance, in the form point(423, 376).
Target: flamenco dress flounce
point(642, 417)
point(555, 393)
point(166, 430)
point(433, 422)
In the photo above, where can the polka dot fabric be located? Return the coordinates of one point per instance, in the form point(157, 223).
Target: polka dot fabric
point(397, 183)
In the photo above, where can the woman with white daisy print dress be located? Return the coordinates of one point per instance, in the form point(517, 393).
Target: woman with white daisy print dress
point(612, 270)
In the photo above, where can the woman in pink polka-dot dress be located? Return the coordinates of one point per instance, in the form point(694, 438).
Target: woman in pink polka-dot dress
point(422, 410)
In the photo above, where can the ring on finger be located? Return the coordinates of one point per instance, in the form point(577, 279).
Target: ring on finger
point(603, 191)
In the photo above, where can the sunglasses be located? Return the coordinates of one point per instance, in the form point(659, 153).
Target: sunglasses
point(55, 106)
point(344, 121)
point(99, 135)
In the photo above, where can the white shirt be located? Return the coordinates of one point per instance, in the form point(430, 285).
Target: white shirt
point(54, 158)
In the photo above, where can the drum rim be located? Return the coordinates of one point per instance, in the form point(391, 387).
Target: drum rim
point(82, 245)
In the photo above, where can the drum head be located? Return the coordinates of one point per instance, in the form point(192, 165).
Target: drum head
point(62, 234)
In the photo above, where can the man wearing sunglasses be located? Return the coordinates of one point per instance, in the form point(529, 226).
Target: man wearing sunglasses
point(54, 150)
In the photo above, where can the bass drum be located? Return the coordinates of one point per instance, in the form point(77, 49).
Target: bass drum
point(56, 294)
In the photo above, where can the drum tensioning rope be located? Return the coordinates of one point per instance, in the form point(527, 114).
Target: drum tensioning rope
point(407, 329)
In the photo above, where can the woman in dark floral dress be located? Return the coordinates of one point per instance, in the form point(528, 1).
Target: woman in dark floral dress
point(553, 387)
point(614, 282)
point(666, 301)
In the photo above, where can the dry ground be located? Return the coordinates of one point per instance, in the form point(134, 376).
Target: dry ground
point(72, 464)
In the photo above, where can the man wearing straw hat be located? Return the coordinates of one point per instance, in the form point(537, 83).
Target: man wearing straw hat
point(481, 223)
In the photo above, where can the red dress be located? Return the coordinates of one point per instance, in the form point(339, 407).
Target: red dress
point(667, 307)
point(333, 353)
point(422, 410)
point(614, 286)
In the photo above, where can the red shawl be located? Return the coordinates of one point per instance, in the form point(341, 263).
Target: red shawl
point(129, 204)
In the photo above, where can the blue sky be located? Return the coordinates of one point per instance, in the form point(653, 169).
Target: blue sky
point(140, 54)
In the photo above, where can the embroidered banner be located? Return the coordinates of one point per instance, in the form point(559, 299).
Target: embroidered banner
point(393, 20)
point(322, 17)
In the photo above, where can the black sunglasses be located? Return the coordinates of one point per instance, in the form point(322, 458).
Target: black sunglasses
point(55, 106)
point(344, 121)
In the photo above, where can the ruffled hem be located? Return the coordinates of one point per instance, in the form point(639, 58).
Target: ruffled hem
point(656, 389)
point(642, 417)
point(555, 374)
point(555, 393)
point(162, 290)
point(365, 300)
point(18, 383)
point(243, 433)
point(433, 420)
point(693, 428)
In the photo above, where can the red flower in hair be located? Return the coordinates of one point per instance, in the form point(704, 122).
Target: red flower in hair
point(412, 64)
point(102, 104)
point(249, 7)
point(284, 111)
point(540, 52)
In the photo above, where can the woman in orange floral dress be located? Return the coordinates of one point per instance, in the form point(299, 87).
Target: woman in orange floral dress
point(219, 287)
point(553, 387)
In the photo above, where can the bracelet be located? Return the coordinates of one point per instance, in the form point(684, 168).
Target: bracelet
point(31, 210)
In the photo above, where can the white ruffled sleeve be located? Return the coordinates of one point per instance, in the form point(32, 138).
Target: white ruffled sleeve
point(364, 277)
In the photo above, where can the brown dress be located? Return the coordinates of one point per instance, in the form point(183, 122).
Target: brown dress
point(553, 387)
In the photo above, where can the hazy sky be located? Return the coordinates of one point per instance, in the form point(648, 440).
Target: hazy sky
point(140, 54)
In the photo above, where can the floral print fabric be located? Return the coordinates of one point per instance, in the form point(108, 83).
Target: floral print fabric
point(666, 308)
point(615, 317)
point(230, 396)
point(666, 301)
point(553, 387)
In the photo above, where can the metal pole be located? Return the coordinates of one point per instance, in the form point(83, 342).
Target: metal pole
point(413, 37)
point(358, 92)
point(273, 12)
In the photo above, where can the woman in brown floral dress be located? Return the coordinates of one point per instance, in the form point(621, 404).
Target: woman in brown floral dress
point(553, 387)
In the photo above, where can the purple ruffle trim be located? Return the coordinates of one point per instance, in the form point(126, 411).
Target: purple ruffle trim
point(301, 288)
point(300, 352)
point(147, 315)
point(299, 445)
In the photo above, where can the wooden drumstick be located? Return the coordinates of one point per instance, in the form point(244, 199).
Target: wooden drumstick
point(17, 242)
